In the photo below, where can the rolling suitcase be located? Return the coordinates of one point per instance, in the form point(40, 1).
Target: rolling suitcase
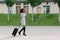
point(15, 31)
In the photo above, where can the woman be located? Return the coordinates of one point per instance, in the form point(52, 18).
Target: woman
point(23, 22)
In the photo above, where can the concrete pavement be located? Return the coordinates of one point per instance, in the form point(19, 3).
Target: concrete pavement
point(33, 33)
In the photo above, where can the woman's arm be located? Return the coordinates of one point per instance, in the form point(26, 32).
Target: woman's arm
point(21, 17)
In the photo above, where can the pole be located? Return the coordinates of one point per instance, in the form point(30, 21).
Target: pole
point(32, 14)
point(8, 13)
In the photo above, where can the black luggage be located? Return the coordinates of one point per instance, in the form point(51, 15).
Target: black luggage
point(15, 31)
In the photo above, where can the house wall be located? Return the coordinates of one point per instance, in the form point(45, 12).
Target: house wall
point(4, 9)
point(53, 8)
point(14, 8)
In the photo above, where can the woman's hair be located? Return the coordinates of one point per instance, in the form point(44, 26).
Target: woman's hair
point(22, 10)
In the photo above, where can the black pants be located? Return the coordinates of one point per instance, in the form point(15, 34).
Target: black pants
point(23, 29)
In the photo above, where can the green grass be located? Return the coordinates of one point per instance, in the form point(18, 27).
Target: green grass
point(14, 19)
point(39, 20)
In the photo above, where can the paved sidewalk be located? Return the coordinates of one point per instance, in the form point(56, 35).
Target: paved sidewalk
point(33, 33)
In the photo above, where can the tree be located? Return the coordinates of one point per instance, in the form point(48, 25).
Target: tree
point(34, 3)
point(58, 2)
point(9, 4)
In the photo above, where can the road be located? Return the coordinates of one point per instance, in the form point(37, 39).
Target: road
point(33, 33)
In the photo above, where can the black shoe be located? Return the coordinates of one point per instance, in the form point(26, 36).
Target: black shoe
point(24, 34)
point(19, 33)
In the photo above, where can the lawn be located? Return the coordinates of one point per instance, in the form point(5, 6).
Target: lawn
point(39, 20)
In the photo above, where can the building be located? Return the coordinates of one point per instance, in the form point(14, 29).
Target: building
point(47, 6)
